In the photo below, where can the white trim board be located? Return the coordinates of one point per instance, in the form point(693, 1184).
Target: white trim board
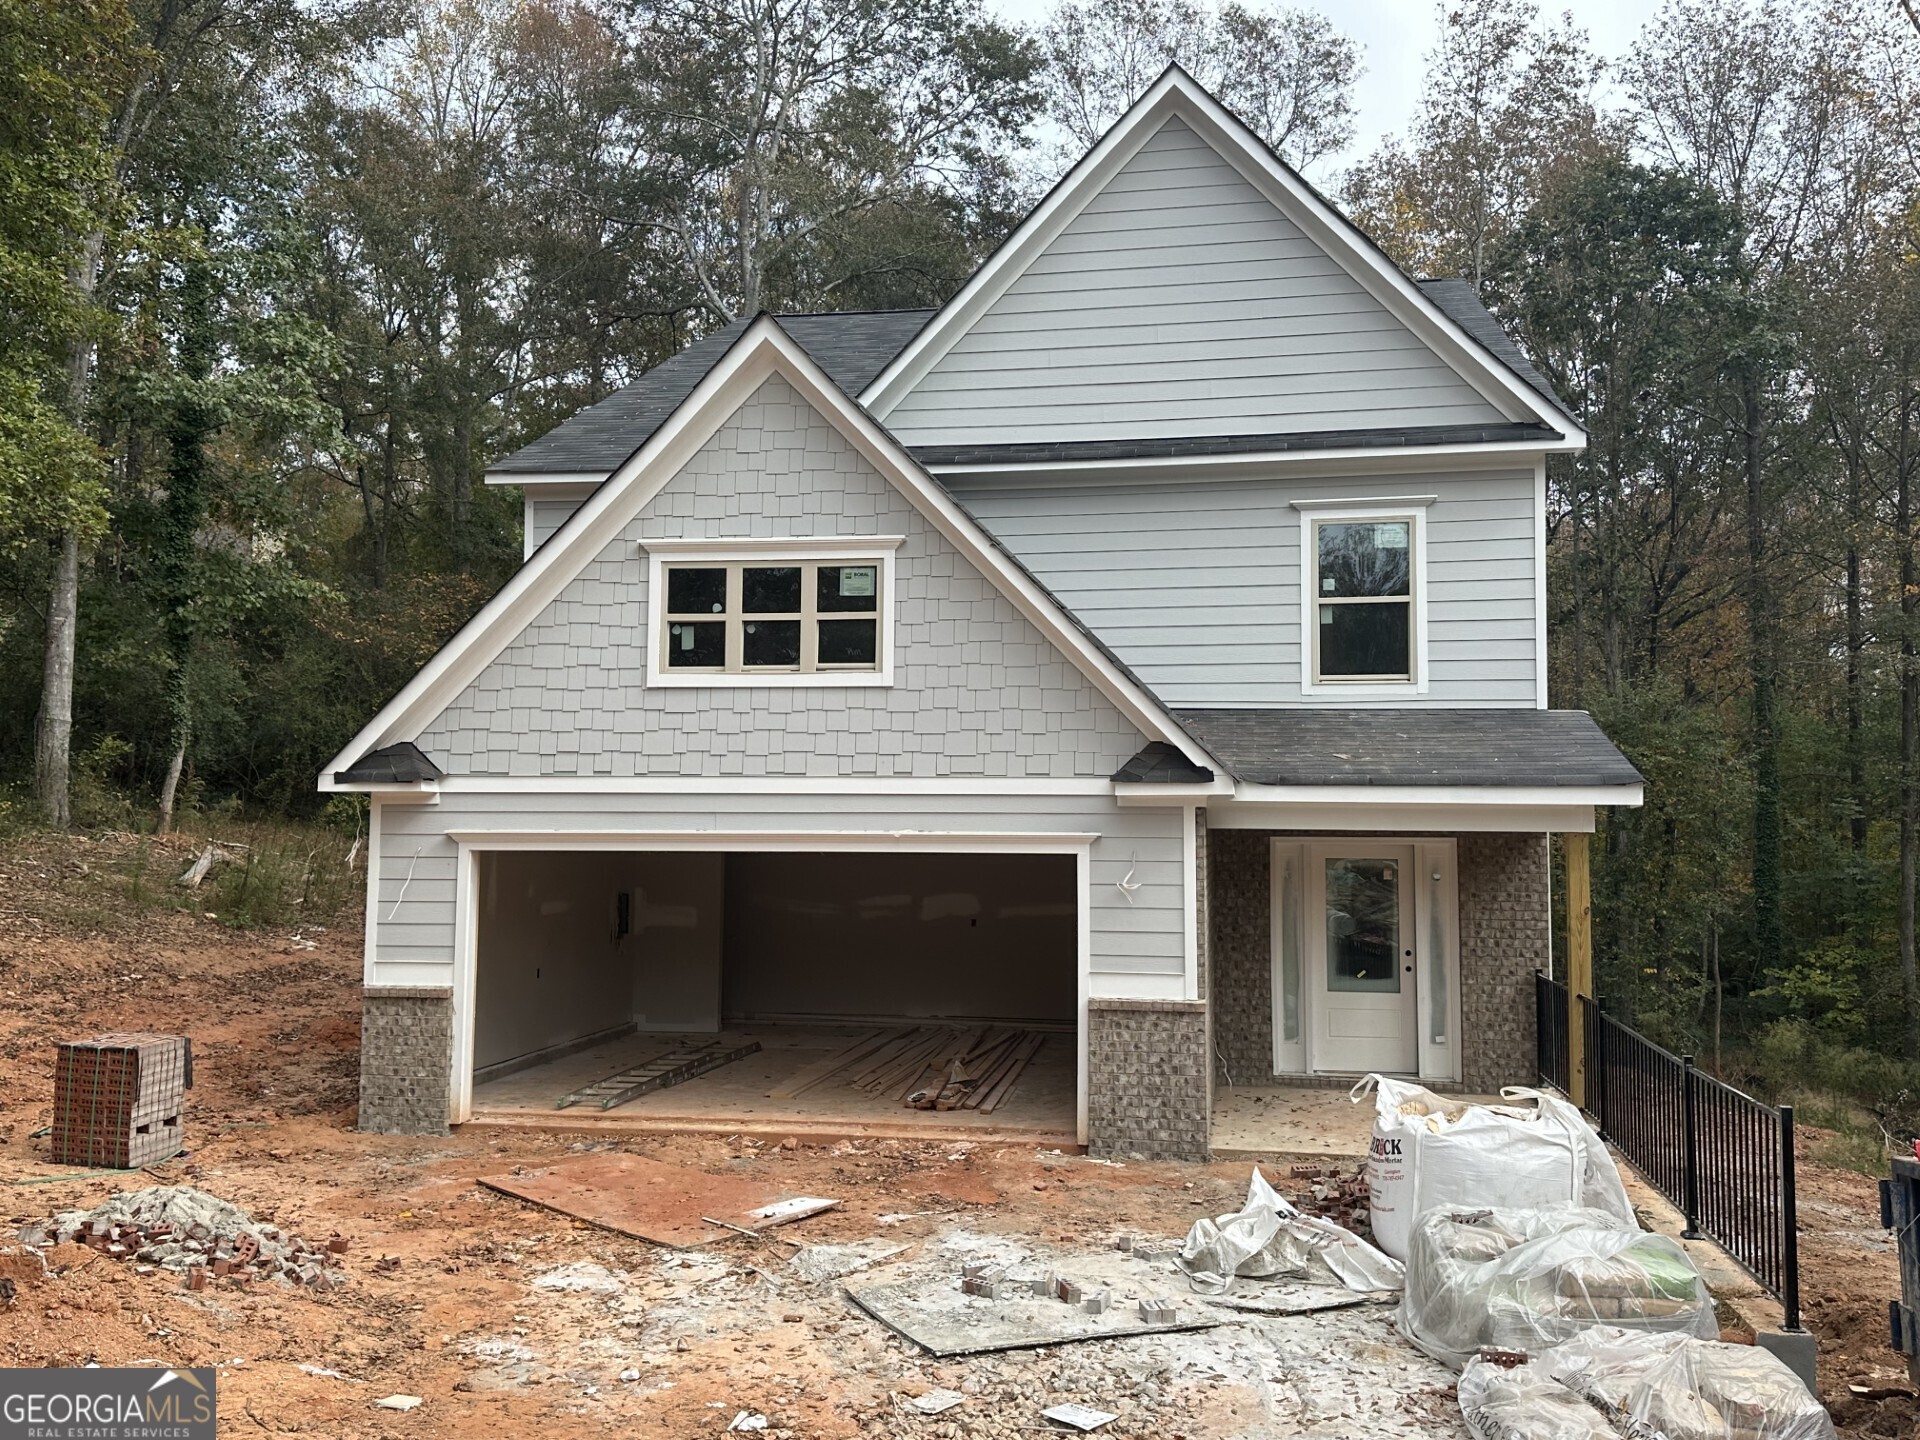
point(1176, 93)
point(762, 351)
point(1393, 819)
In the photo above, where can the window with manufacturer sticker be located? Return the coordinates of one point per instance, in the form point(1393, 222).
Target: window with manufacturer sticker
point(772, 617)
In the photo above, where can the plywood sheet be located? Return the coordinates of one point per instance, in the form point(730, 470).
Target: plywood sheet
point(943, 1321)
point(653, 1201)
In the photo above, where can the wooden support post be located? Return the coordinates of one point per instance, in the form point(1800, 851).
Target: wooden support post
point(1579, 961)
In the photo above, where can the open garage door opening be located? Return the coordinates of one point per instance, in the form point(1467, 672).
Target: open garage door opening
point(833, 992)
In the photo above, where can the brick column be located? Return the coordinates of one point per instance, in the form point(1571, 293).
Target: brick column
point(406, 1058)
point(1149, 1092)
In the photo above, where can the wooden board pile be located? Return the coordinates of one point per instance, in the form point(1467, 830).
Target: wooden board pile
point(927, 1067)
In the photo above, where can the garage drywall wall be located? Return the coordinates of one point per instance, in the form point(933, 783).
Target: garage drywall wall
point(550, 968)
point(901, 935)
point(678, 923)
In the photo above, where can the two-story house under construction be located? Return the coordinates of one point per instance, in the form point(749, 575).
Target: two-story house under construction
point(1147, 649)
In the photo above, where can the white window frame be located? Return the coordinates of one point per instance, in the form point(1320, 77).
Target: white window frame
point(875, 550)
point(1411, 509)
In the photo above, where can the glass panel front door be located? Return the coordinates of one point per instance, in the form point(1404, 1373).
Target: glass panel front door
point(1363, 926)
point(1364, 983)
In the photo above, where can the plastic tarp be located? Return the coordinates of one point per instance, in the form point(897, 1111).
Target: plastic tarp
point(1269, 1238)
point(1529, 1279)
point(1427, 1150)
point(1635, 1386)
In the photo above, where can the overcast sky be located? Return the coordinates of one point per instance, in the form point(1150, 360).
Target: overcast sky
point(1394, 35)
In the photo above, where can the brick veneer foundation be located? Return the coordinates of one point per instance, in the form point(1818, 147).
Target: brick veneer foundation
point(406, 1055)
point(1504, 936)
point(1149, 1091)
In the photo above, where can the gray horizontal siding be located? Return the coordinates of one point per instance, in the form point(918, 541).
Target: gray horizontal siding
point(546, 516)
point(1196, 586)
point(414, 918)
point(1180, 301)
point(977, 689)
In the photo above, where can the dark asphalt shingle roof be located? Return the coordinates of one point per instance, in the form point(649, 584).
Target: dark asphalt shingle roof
point(1159, 763)
point(1462, 306)
point(398, 764)
point(852, 348)
point(1047, 451)
point(1315, 746)
point(856, 346)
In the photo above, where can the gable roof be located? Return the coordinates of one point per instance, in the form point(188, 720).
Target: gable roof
point(763, 349)
point(1177, 94)
point(852, 347)
point(1462, 304)
point(402, 764)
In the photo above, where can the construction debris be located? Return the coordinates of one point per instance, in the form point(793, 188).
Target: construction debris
point(926, 1067)
point(651, 1200)
point(661, 1072)
point(200, 1236)
point(402, 1403)
point(935, 1402)
point(1080, 1417)
point(1269, 1237)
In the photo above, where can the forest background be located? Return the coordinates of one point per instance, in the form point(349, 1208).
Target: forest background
point(279, 277)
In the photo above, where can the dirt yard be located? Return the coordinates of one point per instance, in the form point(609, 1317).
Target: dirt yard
point(509, 1320)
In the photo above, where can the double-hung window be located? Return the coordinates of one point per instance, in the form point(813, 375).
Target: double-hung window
point(771, 615)
point(1363, 597)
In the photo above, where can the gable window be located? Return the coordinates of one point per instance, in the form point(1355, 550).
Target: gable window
point(765, 614)
point(1363, 596)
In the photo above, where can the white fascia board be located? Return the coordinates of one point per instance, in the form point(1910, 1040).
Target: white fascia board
point(1177, 93)
point(1451, 796)
point(1411, 820)
point(545, 479)
point(761, 352)
point(851, 786)
point(425, 792)
point(956, 842)
point(1146, 793)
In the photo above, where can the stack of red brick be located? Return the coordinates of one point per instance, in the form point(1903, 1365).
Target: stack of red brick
point(118, 1100)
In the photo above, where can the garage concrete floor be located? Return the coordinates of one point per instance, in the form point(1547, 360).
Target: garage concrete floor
point(733, 1099)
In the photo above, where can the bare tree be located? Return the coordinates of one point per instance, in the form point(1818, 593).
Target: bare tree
point(1286, 72)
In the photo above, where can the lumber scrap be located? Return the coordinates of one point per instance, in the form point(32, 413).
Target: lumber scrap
point(1004, 1087)
point(805, 1078)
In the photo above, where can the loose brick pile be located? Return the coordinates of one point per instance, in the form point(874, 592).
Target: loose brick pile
point(199, 1235)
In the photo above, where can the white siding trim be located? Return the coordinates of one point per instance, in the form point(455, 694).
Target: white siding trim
point(1083, 879)
point(1540, 582)
point(1334, 502)
point(1190, 896)
point(1440, 795)
point(1177, 93)
point(371, 950)
point(1158, 469)
point(466, 975)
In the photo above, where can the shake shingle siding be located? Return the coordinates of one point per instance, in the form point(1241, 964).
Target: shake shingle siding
point(978, 691)
point(1180, 302)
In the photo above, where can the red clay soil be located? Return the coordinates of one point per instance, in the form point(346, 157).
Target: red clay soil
point(441, 1290)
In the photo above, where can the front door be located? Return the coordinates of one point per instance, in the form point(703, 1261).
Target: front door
point(1360, 957)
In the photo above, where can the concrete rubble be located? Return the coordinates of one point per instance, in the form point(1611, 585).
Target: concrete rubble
point(200, 1236)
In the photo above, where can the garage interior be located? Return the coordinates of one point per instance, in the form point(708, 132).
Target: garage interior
point(595, 964)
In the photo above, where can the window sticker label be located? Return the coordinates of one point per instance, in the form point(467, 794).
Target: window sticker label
point(856, 581)
point(1391, 536)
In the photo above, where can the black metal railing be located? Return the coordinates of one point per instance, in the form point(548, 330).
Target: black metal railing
point(1550, 1025)
point(1720, 1155)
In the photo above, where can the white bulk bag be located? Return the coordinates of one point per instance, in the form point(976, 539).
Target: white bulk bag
point(1428, 1150)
